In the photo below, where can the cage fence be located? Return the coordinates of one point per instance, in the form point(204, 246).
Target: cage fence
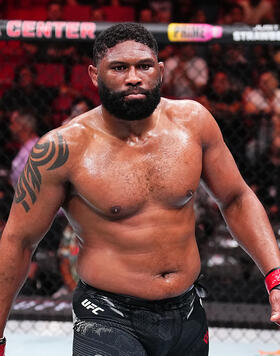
point(44, 82)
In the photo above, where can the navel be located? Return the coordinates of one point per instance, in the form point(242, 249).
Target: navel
point(167, 274)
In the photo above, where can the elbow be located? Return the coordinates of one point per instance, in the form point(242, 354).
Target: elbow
point(19, 243)
point(236, 199)
point(231, 201)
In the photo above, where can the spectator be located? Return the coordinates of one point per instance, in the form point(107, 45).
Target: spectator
point(199, 16)
point(257, 11)
point(67, 252)
point(215, 56)
point(225, 103)
point(224, 10)
point(266, 177)
point(210, 9)
point(116, 12)
point(266, 98)
point(79, 106)
point(224, 100)
point(54, 11)
point(25, 93)
point(275, 63)
point(262, 107)
point(23, 126)
point(166, 52)
point(186, 74)
point(260, 58)
point(183, 10)
point(97, 14)
point(235, 16)
point(162, 10)
point(56, 51)
point(30, 51)
point(237, 66)
point(160, 5)
point(146, 16)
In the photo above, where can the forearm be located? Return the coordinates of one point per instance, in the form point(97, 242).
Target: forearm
point(249, 225)
point(15, 261)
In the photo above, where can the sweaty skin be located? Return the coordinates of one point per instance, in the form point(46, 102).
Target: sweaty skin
point(128, 189)
point(132, 207)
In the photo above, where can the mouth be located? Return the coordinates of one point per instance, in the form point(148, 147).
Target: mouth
point(135, 96)
point(135, 93)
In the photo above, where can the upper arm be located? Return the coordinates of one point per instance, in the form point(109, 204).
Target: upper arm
point(220, 174)
point(40, 190)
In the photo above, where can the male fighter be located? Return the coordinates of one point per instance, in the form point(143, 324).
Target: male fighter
point(126, 174)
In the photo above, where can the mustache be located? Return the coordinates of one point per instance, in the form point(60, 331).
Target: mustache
point(137, 90)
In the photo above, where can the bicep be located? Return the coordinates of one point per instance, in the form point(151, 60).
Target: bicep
point(220, 174)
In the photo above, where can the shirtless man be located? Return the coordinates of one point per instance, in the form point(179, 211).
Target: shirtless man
point(126, 174)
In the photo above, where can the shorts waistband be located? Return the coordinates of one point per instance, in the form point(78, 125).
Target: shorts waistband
point(169, 303)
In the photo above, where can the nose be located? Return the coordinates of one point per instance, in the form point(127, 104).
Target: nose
point(133, 77)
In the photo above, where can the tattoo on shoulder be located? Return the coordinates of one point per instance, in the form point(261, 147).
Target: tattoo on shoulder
point(30, 181)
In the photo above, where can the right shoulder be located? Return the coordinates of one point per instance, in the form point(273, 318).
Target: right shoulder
point(73, 137)
point(61, 147)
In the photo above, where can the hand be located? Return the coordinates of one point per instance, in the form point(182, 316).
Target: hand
point(274, 299)
point(2, 346)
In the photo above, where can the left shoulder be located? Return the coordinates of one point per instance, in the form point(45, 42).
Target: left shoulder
point(187, 111)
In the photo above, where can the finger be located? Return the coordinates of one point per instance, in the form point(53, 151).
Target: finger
point(275, 317)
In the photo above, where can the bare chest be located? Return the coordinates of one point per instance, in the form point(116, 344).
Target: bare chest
point(124, 179)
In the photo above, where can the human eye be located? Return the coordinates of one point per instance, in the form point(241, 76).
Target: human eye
point(145, 66)
point(119, 68)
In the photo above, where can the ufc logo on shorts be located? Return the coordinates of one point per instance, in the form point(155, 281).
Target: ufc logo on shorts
point(90, 306)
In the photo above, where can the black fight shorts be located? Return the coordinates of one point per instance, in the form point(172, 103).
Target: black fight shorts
point(108, 324)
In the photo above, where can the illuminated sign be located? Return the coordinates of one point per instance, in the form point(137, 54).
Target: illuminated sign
point(16, 29)
point(263, 33)
point(180, 32)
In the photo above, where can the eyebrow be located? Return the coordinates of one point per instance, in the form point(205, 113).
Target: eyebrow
point(141, 61)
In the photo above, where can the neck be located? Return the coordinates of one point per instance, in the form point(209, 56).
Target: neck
point(133, 131)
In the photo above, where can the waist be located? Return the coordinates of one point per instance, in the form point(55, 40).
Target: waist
point(167, 303)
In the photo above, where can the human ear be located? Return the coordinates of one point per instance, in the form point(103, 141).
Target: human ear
point(161, 70)
point(92, 71)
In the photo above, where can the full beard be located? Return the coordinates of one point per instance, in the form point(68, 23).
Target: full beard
point(132, 109)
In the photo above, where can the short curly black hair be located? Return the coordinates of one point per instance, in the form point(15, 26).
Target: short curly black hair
point(120, 33)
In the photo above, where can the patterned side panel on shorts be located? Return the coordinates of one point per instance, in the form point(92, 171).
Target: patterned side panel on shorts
point(103, 338)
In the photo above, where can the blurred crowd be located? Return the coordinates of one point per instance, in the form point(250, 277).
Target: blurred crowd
point(45, 84)
point(157, 11)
